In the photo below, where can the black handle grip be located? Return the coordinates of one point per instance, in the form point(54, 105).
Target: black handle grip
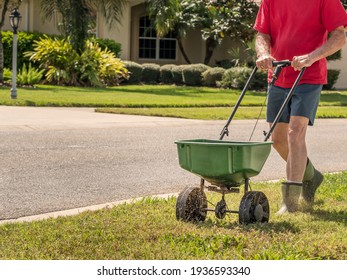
point(282, 63)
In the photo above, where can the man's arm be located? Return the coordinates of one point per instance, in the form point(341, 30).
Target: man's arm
point(335, 42)
point(262, 48)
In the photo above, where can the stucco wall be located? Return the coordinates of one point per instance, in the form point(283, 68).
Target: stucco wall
point(342, 65)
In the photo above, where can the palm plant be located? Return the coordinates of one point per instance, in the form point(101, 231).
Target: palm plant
point(169, 16)
point(77, 15)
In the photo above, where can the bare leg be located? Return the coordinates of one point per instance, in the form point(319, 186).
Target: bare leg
point(297, 152)
point(290, 142)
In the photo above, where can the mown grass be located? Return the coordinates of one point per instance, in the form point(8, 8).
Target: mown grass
point(217, 113)
point(148, 229)
point(138, 96)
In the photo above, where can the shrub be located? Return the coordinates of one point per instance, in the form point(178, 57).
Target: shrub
point(192, 74)
point(166, 75)
point(177, 74)
point(150, 73)
point(135, 72)
point(333, 75)
point(213, 75)
point(100, 67)
point(110, 45)
point(93, 67)
point(225, 63)
point(25, 43)
point(7, 76)
point(29, 76)
point(237, 77)
point(58, 58)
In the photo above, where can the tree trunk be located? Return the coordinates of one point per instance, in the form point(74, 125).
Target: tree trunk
point(211, 44)
point(180, 45)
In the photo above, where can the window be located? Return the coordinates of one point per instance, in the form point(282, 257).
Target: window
point(153, 47)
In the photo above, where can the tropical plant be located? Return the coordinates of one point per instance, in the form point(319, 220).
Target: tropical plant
point(78, 15)
point(100, 67)
point(63, 65)
point(29, 76)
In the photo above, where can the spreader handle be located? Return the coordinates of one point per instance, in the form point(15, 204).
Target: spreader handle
point(282, 63)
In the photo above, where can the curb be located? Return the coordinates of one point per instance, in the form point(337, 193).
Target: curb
point(76, 211)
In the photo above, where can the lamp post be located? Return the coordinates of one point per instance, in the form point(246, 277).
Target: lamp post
point(15, 19)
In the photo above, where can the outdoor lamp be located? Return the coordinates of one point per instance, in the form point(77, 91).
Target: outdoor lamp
point(15, 19)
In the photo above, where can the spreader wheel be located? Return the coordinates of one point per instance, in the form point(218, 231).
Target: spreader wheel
point(254, 207)
point(191, 205)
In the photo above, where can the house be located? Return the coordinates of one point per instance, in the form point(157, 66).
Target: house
point(143, 48)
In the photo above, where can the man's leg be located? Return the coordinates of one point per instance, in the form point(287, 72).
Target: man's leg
point(297, 152)
point(290, 143)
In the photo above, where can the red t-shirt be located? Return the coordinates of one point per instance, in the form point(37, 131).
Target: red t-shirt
point(298, 27)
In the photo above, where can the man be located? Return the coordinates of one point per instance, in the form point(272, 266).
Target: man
point(297, 30)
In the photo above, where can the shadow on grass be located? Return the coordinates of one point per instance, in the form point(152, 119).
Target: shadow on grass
point(331, 215)
point(268, 228)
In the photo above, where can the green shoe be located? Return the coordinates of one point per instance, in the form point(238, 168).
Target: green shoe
point(310, 187)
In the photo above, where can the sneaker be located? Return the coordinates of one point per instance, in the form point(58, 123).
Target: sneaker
point(310, 187)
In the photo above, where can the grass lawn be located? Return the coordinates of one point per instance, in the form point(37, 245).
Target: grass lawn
point(148, 229)
point(163, 100)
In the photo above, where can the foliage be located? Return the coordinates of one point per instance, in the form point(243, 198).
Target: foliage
point(78, 15)
point(150, 73)
point(135, 72)
point(100, 67)
point(177, 75)
point(166, 75)
point(25, 43)
point(216, 19)
point(243, 54)
point(192, 74)
point(7, 74)
point(109, 44)
point(29, 76)
point(237, 77)
point(333, 76)
point(65, 66)
point(212, 76)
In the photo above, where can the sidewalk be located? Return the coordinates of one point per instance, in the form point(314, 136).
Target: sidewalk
point(53, 118)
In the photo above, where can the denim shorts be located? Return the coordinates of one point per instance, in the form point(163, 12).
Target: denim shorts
point(304, 102)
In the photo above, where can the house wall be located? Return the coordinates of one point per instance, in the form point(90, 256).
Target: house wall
point(342, 65)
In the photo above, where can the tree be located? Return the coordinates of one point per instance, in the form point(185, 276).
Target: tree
point(226, 18)
point(5, 6)
point(215, 19)
point(78, 14)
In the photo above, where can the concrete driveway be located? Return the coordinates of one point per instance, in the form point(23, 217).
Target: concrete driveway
point(54, 159)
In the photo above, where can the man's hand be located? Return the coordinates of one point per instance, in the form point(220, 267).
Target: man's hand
point(302, 61)
point(262, 47)
point(264, 62)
